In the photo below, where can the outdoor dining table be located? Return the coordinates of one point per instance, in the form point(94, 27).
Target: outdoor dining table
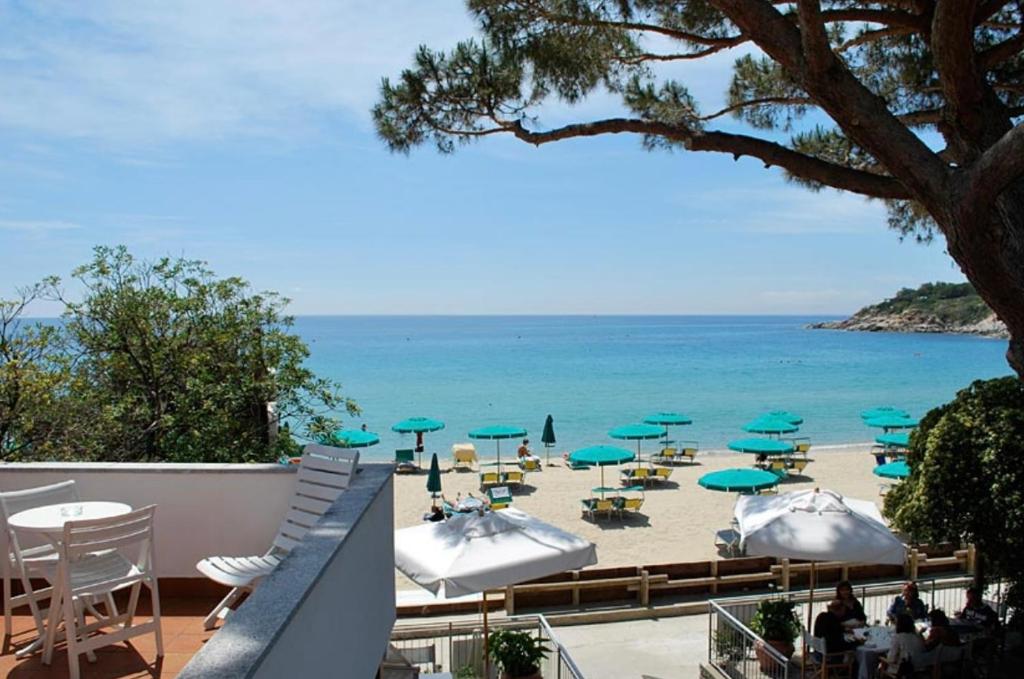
point(48, 522)
point(877, 640)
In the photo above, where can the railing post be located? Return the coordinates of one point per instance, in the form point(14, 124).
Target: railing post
point(785, 575)
point(510, 600)
point(576, 590)
point(645, 588)
point(971, 565)
point(913, 563)
point(714, 574)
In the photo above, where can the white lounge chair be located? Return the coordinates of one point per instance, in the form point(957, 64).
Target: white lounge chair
point(97, 558)
point(24, 562)
point(324, 474)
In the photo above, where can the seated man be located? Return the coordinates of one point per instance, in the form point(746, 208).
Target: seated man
point(525, 453)
point(908, 602)
point(976, 611)
point(828, 626)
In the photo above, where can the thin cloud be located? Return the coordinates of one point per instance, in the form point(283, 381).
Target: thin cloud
point(37, 225)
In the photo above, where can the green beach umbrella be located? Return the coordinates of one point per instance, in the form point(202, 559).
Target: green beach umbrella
point(353, 438)
point(602, 456)
point(417, 425)
point(893, 470)
point(770, 425)
point(888, 422)
point(547, 437)
point(882, 411)
point(761, 446)
point(668, 419)
point(497, 433)
point(899, 439)
point(434, 477)
point(738, 480)
point(785, 416)
point(638, 433)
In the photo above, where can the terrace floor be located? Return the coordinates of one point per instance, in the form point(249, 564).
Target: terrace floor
point(182, 624)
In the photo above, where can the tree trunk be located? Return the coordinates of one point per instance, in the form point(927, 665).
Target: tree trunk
point(987, 242)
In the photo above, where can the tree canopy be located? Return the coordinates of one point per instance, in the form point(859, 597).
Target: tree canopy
point(158, 361)
point(913, 102)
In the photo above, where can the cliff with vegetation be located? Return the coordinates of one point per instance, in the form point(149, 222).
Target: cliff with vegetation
point(933, 307)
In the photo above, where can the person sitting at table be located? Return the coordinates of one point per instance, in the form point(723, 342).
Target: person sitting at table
point(976, 611)
point(852, 609)
point(908, 602)
point(907, 646)
point(828, 627)
point(940, 633)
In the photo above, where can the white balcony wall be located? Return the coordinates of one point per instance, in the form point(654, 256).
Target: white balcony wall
point(202, 509)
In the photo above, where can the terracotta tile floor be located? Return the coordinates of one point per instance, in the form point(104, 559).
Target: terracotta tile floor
point(182, 624)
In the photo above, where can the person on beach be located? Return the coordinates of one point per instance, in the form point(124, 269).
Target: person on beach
point(908, 602)
point(525, 453)
point(853, 611)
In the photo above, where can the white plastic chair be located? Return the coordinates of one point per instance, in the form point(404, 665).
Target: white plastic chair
point(23, 563)
point(97, 558)
point(323, 475)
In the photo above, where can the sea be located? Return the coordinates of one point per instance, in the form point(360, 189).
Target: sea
point(593, 373)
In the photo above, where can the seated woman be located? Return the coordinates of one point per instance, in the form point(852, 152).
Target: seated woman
point(828, 628)
point(940, 633)
point(853, 611)
point(907, 647)
point(908, 602)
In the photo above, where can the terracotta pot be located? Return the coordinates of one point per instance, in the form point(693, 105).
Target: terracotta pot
point(765, 660)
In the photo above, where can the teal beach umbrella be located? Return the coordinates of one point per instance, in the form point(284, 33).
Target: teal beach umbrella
point(899, 439)
point(887, 422)
point(668, 419)
point(638, 433)
point(353, 438)
point(547, 437)
point(417, 425)
point(602, 456)
point(434, 477)
point(738, 480)
point(761, 446)
point(785, 416)
point(770, 425)
point(893, 470)
point(882, 411)
point(497, 433)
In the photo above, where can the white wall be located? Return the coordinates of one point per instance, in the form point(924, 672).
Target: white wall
point(202, 509)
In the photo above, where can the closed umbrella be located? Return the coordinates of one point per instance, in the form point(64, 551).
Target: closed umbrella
point(770, 425)
point(602, 456)
point(472, 553)
point(418, 426)
point(498, 433)
point(892, 470)
point(547, 437)
point(353, 438)
point(638, 433)
point(434, 478)
point(738, 480)
point(815, 525)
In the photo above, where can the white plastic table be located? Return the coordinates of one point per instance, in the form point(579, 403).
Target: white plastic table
point(878, 641)
point(48, 521)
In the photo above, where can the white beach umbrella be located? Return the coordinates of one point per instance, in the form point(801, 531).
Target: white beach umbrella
point(473, 552)
point(816, 525)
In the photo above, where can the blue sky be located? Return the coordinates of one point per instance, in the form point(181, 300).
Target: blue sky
point(239, 133)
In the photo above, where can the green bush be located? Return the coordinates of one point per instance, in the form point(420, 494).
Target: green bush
point(967, 478)
point(775, 620)
point(518, 654)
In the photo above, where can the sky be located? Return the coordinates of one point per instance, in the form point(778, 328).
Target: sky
point(240, 134)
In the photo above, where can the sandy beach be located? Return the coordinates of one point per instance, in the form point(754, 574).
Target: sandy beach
point(678, 518)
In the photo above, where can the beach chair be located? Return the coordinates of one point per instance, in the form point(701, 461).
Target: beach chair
point(405, 461)
point(576, 466)
point(778, 467)
point(500, 497)
point(667, 455)
point(324, 474)
point(464, 456)
point(593, 506)
point(728, 540)
point(514, 479)
point(629, 503)
point(798, 466)
point(642, 474)
point(688, 451)
point(529, 464)
point(489, 479)
point(661, 474)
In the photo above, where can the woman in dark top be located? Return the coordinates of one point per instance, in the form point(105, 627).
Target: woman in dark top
point(828, 627)
point(940, 633)
point(852, 609)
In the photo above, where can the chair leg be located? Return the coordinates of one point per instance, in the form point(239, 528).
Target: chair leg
point(211, 620)
point(90, 655)
point(154, 593)
point(56, 596)
point(71, 635)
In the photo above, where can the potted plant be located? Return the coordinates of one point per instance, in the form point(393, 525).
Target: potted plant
point(517, 654)
point(775, 621)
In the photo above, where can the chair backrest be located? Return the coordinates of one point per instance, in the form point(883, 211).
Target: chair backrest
point(603, 505)
point(120, 533)
point(404, 455)
point(633, 503)
point(489, 477)
point(641, 472)
point(668, 452)
point(663, 472)
point(420, 655)
point(325, 472)
point(14, 501)
point(803, 447)
point(777, 465)
point(514, 476)
point(530, 465)
point(464, 452)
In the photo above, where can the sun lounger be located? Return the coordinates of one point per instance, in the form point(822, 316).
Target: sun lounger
point(688, 451)
point(778, 467)
point(490, 479)
point(798, 466)
point(514, 478)
point(642, 474)
point(464, 455)
point(668, 455)
point(529, 464)
point(593, 506)
point(729, 540)
point(629, 503)
point(405, 461)
point(576, 466)
point(660, 474)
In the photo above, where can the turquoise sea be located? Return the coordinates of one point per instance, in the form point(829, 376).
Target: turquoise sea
point(593, 373)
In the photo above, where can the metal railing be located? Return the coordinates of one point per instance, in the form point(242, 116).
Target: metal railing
point(458, 648)
point(737, 652)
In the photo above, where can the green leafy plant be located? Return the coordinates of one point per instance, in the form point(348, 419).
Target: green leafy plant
point(466, 672)
point(775, 620)
point(518, 654)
